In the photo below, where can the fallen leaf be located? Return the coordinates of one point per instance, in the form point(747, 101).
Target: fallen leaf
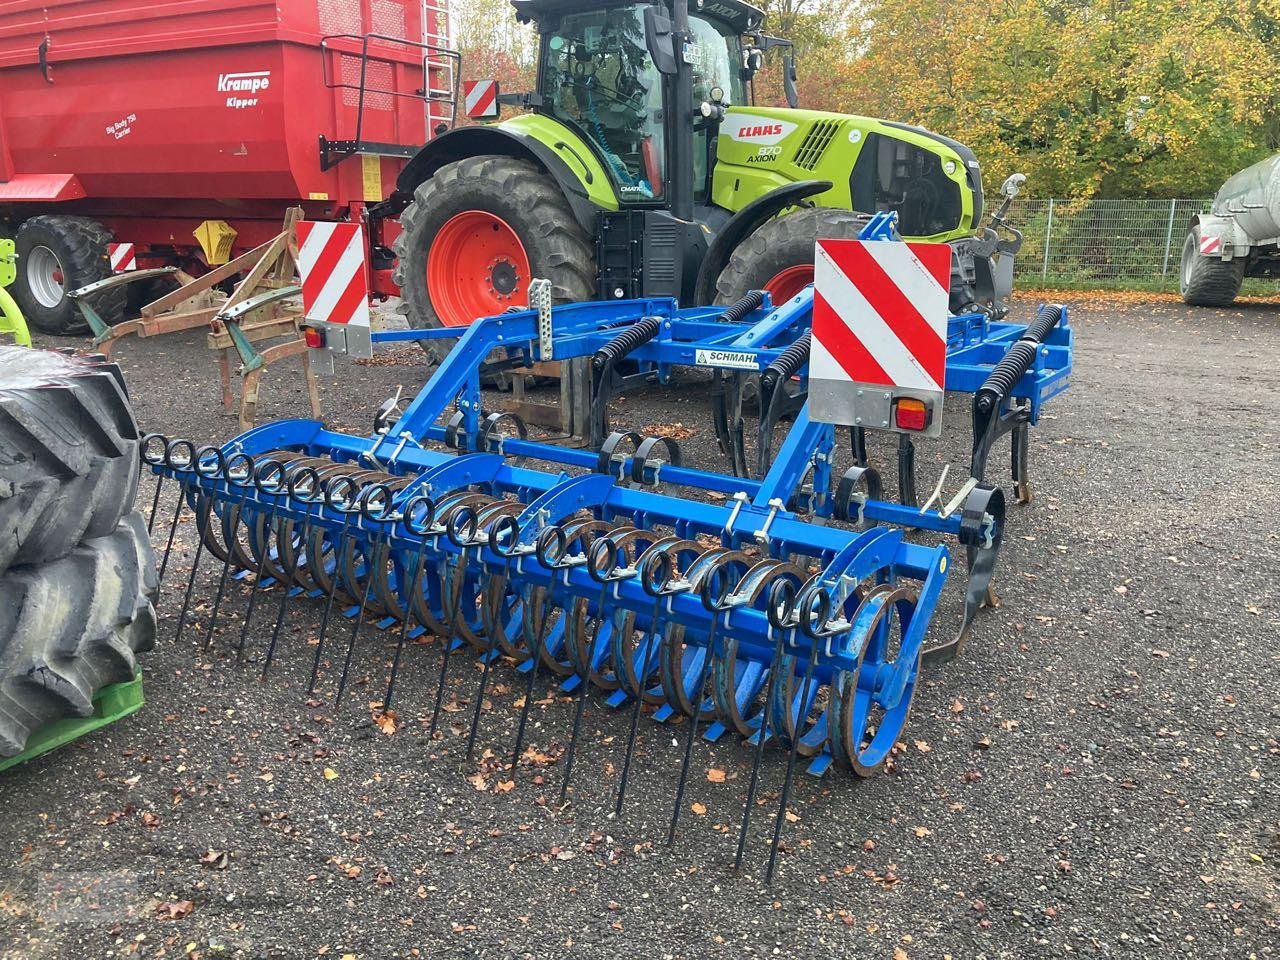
point(699, 809)
point(793, 817)
point(716, 775)
point(504, 786)
point(330, 773)
point(174, 909)
point(150, 820)
point(215, 859)
point(386, 722)
point(923, 832)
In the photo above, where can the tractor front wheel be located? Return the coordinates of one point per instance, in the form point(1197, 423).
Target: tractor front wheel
point(474, 236)
point(778, 257)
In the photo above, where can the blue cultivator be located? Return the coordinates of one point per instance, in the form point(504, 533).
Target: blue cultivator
point(789, 609)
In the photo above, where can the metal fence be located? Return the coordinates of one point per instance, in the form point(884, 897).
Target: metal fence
point(1103, 242)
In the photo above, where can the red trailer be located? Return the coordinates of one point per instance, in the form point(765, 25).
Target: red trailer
point(186, 128)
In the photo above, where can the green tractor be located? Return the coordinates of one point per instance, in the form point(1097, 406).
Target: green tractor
point(642, 168)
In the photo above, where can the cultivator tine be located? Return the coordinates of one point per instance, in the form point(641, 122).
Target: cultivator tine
point(811, 599)
point(504, 540)
point(305, 486)
point(461, 529)
point(218, 470)
point(419, 517)
point(270, 473)
point(376, 506)
point(781, 608)
point(151, 449)
point(183, 464)
point(657, 572)
point(239, 472)
point(715, 593)
point(339, 495)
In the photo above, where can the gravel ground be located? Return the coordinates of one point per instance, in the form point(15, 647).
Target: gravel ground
point(1096, 775)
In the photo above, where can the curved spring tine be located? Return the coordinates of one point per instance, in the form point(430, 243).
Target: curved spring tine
point(781, 606)
point(217, 470)
point(656, 572)
point(377, 507)
point(151, 459)
point(314, 493)
point(715, 591)
point(461, 529)
point(419, 526)
point(552, 538)
point(338, 495)
point(807, 626)
point(508, 525)
point(273, 472)
point(187, 464)
point(245, 479)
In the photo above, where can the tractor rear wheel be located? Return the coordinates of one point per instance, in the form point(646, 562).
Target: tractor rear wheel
point(56, 255)
point(71, 627)
point(778, 257)
point(476, 233)
point(68, 453)
point(1207, 281)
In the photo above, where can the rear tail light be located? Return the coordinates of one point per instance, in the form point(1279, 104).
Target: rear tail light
point(314, 337)
point(911, 414)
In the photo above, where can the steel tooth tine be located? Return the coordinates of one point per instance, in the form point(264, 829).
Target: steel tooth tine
point(691, 733)
point(173, 530)
point(531, 682)
point(759, 750)
point(414, 587)
point(339, 546)
point(639, 702)
point(490, 656)
point(355, 629)
point(257, 584)
point(222, 589)
point(454, 606)
point(191, 581)
point(155, 503)
point(791, 764)
point(304, 535)
point(580, 708)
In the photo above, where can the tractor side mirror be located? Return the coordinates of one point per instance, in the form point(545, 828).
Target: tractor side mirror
point(1013, 186)
point(660, 40)
point(789, 81)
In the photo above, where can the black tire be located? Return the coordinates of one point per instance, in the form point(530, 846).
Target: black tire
point(71, 627)
point(780, 244)
point(68, 453)
point(528, 200)
point(76, 249)
point(1207, 281)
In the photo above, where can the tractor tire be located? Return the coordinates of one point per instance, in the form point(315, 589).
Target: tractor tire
point(1207, 281)
point(56, 255)
point(71, 627)
point(778, 256)
point(476, 233)
point(68, 453)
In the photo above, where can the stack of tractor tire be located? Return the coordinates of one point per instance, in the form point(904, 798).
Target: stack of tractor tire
point(77, 576)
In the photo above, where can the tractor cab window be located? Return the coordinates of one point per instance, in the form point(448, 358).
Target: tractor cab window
point(717, 64)
point(598, 77)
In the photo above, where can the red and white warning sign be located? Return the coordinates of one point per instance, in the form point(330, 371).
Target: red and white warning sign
point(124, 256)
point(331, 260)
point(1210, 246)
point(481, 98)
point(879, 354)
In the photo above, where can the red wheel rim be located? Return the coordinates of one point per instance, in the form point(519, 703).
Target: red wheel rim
point(476, 267)
point(787, 283)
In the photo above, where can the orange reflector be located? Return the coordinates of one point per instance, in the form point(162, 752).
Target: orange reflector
point(910, 414)
point(314, 337)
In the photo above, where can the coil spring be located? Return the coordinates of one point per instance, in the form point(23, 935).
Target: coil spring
point(1017, 361)
point(638, 334)
point(788, 362)
point(752, 301)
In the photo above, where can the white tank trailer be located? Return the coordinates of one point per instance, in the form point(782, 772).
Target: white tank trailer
point(1238, 238)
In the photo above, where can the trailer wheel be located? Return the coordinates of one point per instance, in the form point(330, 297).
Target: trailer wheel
point(71, 627)
point(68, 453)
point(778, 256)
point(476, 233)
point(58, 254)
point(1207, 281)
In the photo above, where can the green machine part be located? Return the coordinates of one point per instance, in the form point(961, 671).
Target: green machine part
point(111, 704)
point(11, 320)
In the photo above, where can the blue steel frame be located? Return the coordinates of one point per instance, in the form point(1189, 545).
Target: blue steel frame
point(844, 651)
